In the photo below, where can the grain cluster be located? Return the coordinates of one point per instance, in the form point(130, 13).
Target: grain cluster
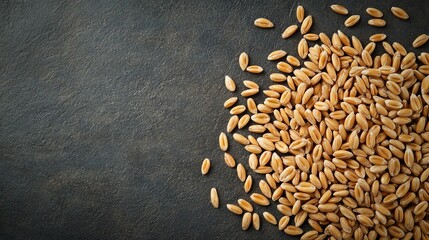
point(341, 139)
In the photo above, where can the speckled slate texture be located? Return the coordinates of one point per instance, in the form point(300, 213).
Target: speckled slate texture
point(107, 109)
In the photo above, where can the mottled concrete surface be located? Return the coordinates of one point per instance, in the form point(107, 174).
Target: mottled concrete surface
point(107, 109)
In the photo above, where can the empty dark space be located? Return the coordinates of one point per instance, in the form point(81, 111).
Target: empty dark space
point(107, 109)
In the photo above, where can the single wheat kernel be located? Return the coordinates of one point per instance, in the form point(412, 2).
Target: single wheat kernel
point(300, 13)
point(243, 61)
point(246, 221)
point(223, 141)
point(234, 209)
point(263, 23)
point(254, 69)
point(399, 13)
point(377, 22)
point(214, 198)
point(241, 172)
point(275, 55)
point(256, 222)
point(377, 37)
point(289, 31)
point(205, 166)
point(420, 40)
point(352, 20)
point(374, 12)
point(339, 9)
point(230, 102)
point(229, 83)
point(306, 24)
point(270, 218)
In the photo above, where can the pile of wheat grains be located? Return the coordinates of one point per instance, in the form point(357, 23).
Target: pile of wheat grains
point(342, 136)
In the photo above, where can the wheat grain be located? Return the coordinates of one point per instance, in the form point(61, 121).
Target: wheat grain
point(293, 61)
point(230, 102)
point(237, 110)
point(270, 218)
point(245, 205)
point(223, 141)
point(352, 20)
point(311, 37)
point(243, 61)
point(339, 9)
point(254, 69)
point(260, 199)
point(420, 40)
point(214, 198)
point(306, 24)
point(376, 22)
point(256, 221)
point(234, 209)
point(246, 220)
point(248, 184)
point(374, 12)
point(400, 13)
point(241, 172)
point(263, 23)
point(243, 121)
point(293, 231)
point(229, 160)
point(303, 48)
point(232, 123)
point(229, 83)
point(289, 31)
point(377, 37)
point(277, 77)
point(300, 13)
point(275, 55)
point(205, 166)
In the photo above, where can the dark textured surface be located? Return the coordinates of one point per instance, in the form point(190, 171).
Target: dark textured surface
point(107, 109)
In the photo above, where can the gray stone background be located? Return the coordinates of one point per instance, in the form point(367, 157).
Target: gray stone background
point(107, 109)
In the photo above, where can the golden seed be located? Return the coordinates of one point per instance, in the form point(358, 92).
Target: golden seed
point(248, 183)
point(260, 199)
point(232, 123)
point(376, 22)
point(293, 231)
point(256, 221)
point(263, 23)
point(245, 205)
point(241, 172)
point(374, 12)
point(243, 61)
point(270, 218)
point(289, 31)
point(214, 198)
point(399, 13)
point(254, 69)
point(300, 13)
point(243, 121)
point(377, 37)
point(339, 9)
point(205, 166)
point(229, 160)
point(420, 40)
point(223, 142)
point(352, 20)
point(247, 219)
point(230, 102)
point(229, 84)
point(276, 55)
point(306, 24)
point(234, 209)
